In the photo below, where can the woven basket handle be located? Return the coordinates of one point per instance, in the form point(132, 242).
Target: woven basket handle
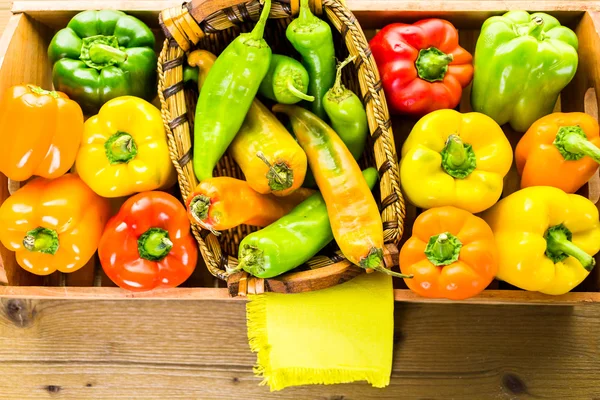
point(190, 22)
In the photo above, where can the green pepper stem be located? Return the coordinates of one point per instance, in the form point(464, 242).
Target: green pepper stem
point(259, 30)
point(432, 64)
point(305, 14)
point(573, 144)
point(38, 90)
point(559, 246)
point(536, 27)
point(120, 148)
point(374, 260)
point(103, 54)
point(338, 88)
point(458, 158)
point(199, 207)
point(42, 240)
point(443, 249)
point(251, 260)
point(154, 244)
point(289, 85)
point(280, 176)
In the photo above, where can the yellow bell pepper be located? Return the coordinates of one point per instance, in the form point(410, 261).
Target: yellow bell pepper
point(124, 149)
point(454, 159)
point(546, 238)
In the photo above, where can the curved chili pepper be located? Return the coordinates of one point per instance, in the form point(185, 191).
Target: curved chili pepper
point(353, 212)
point(148, 244)
point(312, 38)
point(286, 82)
point(227, 94)
point(422, 66)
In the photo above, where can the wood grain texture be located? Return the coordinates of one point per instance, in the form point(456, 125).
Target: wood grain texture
point(99, 350)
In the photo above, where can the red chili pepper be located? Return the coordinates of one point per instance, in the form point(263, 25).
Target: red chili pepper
point(148, 244)
point(422, 67)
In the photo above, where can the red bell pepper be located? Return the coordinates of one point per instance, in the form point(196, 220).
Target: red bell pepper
point(422, 67)
point(148, 244)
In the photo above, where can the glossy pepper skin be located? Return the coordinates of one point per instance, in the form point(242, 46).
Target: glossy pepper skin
point(454, 159)
point(312, 38)
point(422, 66)
point(53, 225)
point(41, 132)
point(291, 240)
point(101, 55)
point(451, 254)
point(148, 244)
point(124, 149)
point(353, 212)
point(271, 160)
point(522, 62)
point(546, 238)
point(227, 93)
point(347, 114)
point(560, 150)
point(286, 82)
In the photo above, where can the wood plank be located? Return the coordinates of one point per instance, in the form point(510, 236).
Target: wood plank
point(167, 350)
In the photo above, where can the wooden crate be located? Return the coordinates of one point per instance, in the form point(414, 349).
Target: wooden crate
point(33, 24)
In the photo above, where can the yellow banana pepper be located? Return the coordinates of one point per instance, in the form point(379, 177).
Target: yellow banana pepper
point(124, 149)
point(546, 238)
point(454, 159)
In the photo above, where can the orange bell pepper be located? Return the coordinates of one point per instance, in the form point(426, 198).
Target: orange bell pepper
point(452, 254)
point(53, 224)
point(560, 150)
point(41, 132)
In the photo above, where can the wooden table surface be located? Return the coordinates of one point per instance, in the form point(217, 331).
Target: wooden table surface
point(96, 350)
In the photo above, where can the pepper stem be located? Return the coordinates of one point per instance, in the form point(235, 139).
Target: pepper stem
point(374, 260)
point(443, 249)
point(120, 148)
point(103, 54)
point(259, 30)
point(338, 88)
point(280, 176)
point(251, 260)
point(432, 64)
point(458, 158)
point(154, 244)
point(199, 207)
point(289, 85)
point(38, 90)
point(536, 27)
point(42, 240)
point(559, 246)
point(573, 144)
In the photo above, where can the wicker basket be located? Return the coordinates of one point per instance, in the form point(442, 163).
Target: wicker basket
point(211, 25)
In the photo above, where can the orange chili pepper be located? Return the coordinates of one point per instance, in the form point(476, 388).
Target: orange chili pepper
point(452, 254)
point(223, 203)
point(560, 150)
point(53, 224)
point(353, 212)
point(41, 132)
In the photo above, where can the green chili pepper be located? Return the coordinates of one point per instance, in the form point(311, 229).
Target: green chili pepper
point(292, 240)
point(347, 114)
point(101, 55)
point(312, 38)
point(286, 82)
point(227, 94)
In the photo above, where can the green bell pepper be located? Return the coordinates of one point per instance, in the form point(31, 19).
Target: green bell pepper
point(522, 62)
point(101, 55)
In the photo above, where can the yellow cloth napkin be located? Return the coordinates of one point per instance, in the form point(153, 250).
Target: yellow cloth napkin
point(337, 335)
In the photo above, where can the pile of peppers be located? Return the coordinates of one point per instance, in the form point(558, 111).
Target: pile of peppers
point(95, 170)
point(540, 238)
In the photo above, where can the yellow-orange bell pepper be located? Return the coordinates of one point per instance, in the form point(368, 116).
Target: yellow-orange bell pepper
point(53, 224)
point(40, 132)
point(546, 238)
point(124, 149)
point(454, 159)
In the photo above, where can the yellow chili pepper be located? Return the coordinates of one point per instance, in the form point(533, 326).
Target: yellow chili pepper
point(546, 238)
point(124, 149)
point(454, 159)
